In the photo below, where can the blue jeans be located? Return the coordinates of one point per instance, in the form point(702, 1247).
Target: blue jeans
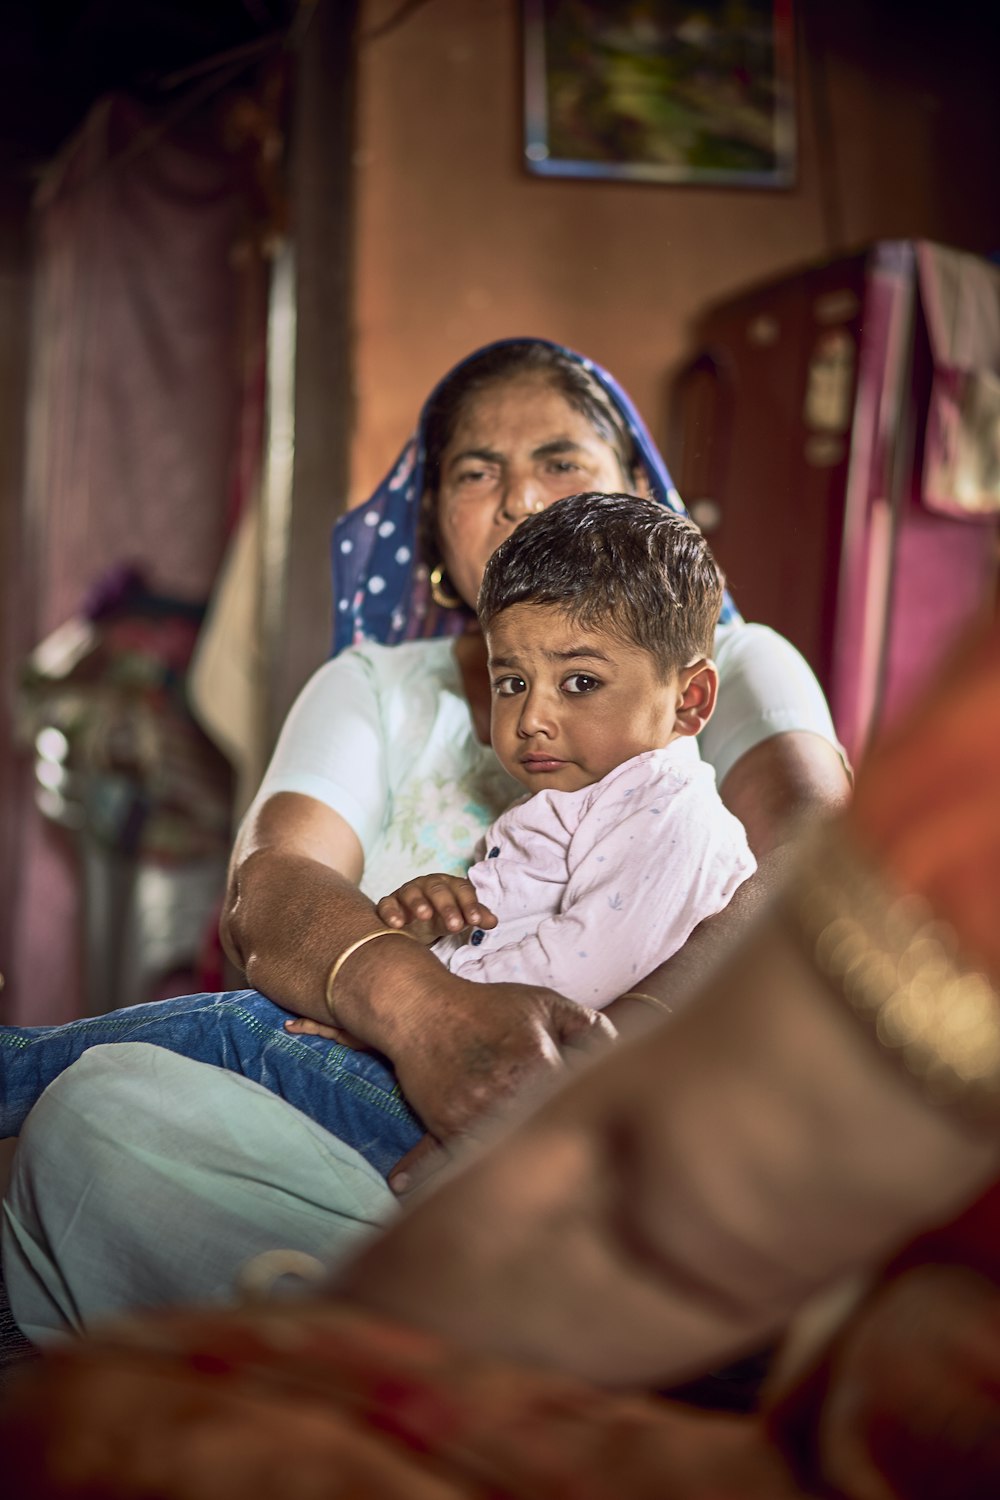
point(352, 1094)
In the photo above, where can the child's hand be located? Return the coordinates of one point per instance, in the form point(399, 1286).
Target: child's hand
point(434, 905)
point(306, 1026)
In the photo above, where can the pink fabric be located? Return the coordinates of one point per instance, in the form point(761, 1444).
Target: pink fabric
point(593, 889)
point(960, 296)
point(135, 425)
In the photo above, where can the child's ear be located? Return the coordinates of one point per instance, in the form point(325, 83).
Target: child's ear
point(697, 688)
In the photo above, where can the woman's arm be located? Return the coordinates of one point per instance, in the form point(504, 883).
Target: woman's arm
point(782, 783)
point(292, 901)
point(460, 1050)
point(771, 739)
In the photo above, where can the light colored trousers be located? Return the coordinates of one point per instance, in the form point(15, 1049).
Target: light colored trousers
point(142, 1178)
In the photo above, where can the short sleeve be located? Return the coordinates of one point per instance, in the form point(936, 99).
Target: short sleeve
point(332, 746)
point(766, 687)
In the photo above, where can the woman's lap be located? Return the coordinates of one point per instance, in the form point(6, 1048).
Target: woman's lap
point(143, 1178)
point(351, 1094)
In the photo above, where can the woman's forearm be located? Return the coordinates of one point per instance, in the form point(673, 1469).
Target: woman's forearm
point(293, 906)
point(286, 944)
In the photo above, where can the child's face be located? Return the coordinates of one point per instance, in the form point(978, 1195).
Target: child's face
point(568, 704)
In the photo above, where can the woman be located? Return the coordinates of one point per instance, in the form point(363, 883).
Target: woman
point(384, 767)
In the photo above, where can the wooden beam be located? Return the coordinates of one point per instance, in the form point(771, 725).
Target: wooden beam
point(310, 353)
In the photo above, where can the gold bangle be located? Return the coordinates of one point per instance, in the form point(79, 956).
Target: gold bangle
point(338, 963)
point(900, 971)
point(648, 1000)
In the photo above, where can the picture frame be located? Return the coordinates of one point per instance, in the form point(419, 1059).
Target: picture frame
point(661, 91)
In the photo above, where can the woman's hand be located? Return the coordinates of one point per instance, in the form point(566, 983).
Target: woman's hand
point(496, 1050)
point(485, 1051)
point(432, 906)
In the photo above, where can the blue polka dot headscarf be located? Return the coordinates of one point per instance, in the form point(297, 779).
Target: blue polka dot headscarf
point(381, 588)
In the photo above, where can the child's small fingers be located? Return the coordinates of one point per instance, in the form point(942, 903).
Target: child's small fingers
point(471, 906)
point(446, 910)
point(391, 912)
point(305, 1026)
point(404, 906)
point(413, 902)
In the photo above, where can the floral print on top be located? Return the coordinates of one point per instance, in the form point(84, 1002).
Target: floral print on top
point(384, 736)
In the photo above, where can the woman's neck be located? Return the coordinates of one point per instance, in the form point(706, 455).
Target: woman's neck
point(470, 653)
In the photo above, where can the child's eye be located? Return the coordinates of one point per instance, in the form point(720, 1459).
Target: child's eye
point(509, 687)
point(580, 682)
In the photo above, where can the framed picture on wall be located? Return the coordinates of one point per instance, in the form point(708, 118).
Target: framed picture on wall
point(661, 90)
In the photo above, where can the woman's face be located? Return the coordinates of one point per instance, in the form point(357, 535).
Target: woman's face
point(518, 447)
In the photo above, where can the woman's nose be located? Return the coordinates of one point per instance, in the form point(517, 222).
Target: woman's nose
point(521, 498)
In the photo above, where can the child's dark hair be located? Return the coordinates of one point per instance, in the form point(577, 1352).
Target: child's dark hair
point(616, 563)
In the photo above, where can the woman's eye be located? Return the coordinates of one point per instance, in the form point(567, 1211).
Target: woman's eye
point(564, 466)
point(475, 477)
point(581, 682)
point(509, 687)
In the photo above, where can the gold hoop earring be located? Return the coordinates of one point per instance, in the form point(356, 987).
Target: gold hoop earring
point(441, 597)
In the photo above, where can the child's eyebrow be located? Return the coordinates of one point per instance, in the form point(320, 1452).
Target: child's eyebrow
point(573, 653)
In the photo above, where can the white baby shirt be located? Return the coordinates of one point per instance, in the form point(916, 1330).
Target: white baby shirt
point(593, 889)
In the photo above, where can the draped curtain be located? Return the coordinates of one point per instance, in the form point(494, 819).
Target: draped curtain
point(144, 427)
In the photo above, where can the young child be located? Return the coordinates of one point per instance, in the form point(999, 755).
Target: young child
point(599, 615)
